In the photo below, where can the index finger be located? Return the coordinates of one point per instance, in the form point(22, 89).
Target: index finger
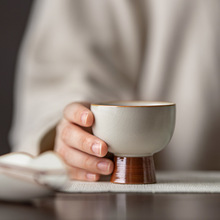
point(79, 113)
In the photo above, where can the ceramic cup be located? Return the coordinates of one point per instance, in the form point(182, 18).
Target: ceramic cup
point(134, 131)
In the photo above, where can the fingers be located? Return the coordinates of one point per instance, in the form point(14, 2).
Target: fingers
point(74, 172)
point(77, 138)
point(80, 174)
point(79, 114)
point(91, 164)
point(82, 151)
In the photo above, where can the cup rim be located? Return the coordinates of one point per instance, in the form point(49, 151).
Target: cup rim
point(114, 104)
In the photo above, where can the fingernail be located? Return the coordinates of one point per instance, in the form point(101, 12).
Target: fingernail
point(84, 117)
point(96, 148)
point(91, 176)
point(104, 166)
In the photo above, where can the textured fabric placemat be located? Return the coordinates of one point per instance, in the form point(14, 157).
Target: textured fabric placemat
point(167, 182)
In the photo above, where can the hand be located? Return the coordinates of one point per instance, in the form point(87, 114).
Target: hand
point(82, 151)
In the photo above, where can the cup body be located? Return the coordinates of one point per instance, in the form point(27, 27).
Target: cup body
point(134, 128)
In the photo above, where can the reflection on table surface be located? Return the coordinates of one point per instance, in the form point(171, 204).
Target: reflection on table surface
point(115, 206)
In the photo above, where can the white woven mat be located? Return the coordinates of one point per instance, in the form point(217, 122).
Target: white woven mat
point(167, 182)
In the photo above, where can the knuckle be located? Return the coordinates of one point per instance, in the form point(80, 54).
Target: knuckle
point(86, 144)
point(65, 133)
point(60, 150)
point(73, 173)
point(68, 106)
point(68, 110)
point(76, 174)
point(87, 162)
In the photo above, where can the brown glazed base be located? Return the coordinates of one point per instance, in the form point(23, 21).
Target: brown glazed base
point(134, 170)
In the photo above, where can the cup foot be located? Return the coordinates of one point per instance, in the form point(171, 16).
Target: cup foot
point(134, 170)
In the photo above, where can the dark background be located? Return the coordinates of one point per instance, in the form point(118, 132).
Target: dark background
point(13, 19)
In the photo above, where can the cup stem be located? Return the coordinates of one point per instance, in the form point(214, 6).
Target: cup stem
point(134, 170)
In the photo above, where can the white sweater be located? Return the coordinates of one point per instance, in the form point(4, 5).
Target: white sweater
point(99, 50)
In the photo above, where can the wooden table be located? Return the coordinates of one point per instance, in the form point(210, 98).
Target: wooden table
point(116, 206)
